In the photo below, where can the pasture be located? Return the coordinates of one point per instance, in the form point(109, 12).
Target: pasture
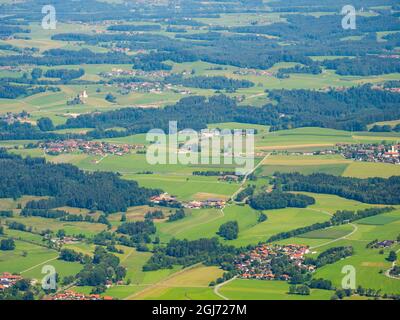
point(240, 289)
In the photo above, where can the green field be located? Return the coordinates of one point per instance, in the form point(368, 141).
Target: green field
point(267, 290)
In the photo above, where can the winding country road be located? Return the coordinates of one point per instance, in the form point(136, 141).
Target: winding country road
point(217, 287)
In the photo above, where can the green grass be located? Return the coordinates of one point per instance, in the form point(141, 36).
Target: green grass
point(371, 169)
point(330, 233)
point(379, 220)
point(14, 261)
point(185, 187)
point(333, 169)
point(368, 264)
point(71, 228)
point(240, 289)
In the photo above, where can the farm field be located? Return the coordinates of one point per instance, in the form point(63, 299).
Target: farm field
point(267, 290)
point(188, 284)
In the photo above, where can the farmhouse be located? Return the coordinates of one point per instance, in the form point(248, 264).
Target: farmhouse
point(7, 280)
point(163, 198)
point(71, 295)
point(209, 203)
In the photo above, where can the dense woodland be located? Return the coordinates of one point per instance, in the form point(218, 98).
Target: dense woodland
point(279, 200)
point(371, 190)
point(67, 185)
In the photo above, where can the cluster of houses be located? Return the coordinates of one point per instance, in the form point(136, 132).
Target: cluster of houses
point(208, 203)
point(11, 117)
point(80, 98)
point(253, 72)
point(64, 240)
point(7, 280)
point(371, 152)
point(117, 72)
point(256, 264)
point(360, 152)
point(71, 295)
point(381, 87)
point(89, 147)
point(382, 244)
point(167, 200)
point(164, 199)
point(143, 86)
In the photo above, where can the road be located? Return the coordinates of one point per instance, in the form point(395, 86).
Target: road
point(355, 229)
point(247, 176)
point(387, 273)
point(217, 287)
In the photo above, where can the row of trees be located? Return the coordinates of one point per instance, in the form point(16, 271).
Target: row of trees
point(330, 256)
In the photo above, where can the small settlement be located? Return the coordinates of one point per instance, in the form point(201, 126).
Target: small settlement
point(170, 201)
point(11, 117)
point(362, 152)
point(257, 264)
point(88, 147)
point(71, 295)
point(7, 280)
point(371, 152)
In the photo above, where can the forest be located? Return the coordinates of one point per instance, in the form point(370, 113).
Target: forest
point(370, 190)
point(67, 185)
point(279, 200)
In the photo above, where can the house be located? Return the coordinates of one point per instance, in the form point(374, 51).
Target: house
point(163, 198)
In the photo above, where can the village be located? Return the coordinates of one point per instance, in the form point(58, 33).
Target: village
point(11, 117)
point(69, 295)
point(89, 147)
point(170, 201)
point(7, 280)
point(371, 152)
point(366, 152)
point(117, 72)
point(257, 264)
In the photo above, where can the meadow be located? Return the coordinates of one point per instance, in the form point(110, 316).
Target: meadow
point(240, 289)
